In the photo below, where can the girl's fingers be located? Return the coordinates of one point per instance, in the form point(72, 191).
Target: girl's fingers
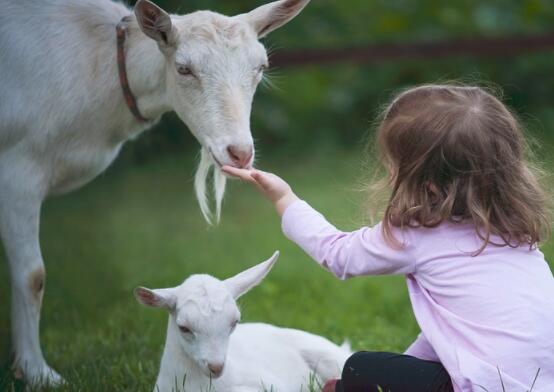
point(261, 178)
point(243, 174)
point(265, 182)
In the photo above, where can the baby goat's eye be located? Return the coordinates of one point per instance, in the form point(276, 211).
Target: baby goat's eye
point(184, 329)
point(234, 325)
point(184, 70)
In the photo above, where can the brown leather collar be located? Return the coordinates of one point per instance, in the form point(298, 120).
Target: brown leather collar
point(130, 99)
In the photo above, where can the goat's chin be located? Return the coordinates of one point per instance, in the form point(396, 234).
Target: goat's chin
point(201, 186)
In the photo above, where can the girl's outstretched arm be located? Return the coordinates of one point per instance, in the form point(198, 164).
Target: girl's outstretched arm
point(345, 254)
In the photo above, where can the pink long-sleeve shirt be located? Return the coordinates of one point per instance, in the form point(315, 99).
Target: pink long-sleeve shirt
point(479, 315)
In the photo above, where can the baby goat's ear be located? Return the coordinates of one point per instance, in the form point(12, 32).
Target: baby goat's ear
point(159, 298)
point(241, 283)
point(271, 16)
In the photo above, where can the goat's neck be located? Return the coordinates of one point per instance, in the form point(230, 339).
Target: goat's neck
point(146, 72)
point(176, 364)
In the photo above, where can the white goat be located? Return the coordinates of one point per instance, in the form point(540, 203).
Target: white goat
point(207, 348)
point(63, 117)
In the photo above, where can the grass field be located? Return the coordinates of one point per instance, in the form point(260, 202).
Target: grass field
point(139, 225)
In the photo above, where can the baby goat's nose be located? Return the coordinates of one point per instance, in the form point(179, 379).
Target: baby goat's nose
point(216, 368)
point(240, 156)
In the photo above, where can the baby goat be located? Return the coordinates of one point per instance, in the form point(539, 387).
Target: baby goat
point(207, 349)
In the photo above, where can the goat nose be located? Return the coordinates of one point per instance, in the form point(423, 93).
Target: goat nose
point(240, 156)
point(216, 368)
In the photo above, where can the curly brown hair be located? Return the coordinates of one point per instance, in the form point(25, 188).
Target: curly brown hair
point(457, 153)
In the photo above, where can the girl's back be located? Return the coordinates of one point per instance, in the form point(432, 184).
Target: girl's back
point(494, 308)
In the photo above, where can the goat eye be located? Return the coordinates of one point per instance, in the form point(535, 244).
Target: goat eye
point(261, 68)
point(234, 325)
point(184, 329)
point(184, 70)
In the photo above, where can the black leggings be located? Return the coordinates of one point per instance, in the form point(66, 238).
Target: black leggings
point(369, 371)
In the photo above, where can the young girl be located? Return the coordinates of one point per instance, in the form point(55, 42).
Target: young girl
point(462, 224)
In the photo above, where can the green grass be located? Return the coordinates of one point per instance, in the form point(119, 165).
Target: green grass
point(140, 225)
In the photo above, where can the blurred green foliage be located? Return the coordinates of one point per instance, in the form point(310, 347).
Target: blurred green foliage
point(335, 104)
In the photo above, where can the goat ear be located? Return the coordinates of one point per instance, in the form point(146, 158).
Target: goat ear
point(159, 298)
point(154, 22)
point(243, 282)
point(271, 16)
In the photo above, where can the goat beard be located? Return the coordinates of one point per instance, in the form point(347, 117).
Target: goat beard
point(201, 179)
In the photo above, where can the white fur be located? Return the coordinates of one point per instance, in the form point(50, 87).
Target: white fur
point(254, 356)
point(63, 118)
point(200, 180)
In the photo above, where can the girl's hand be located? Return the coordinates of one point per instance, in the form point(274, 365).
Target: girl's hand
point(270, 185)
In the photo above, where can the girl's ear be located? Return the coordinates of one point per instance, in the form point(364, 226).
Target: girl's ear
point(271, 16)
point(243, 282)
point(159, 298)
